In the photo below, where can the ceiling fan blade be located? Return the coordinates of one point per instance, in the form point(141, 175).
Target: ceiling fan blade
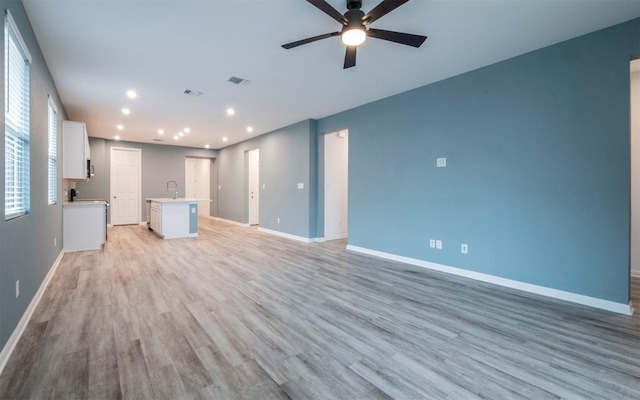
point(325, 7)
point(382, 9)
point(309, 40)
point(350, 57)
point(397, 37)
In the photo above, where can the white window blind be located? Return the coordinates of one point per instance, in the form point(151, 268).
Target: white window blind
point(16, 83)
point(53, 153)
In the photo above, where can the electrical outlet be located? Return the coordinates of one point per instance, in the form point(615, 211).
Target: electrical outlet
point(219, 187)
point(264, 186)
point(432, 243)
point(464, 249)
point(17, 288)
point(300, 185)
point(278, 220)
point(439, 244)
point(441, 162)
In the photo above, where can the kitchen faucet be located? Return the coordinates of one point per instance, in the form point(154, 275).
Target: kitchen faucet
point(175, 189)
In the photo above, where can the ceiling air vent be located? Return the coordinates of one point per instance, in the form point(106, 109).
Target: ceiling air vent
point(193, 93)
point(239, 81)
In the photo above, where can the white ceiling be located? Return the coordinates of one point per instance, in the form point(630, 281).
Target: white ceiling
point(98, 49)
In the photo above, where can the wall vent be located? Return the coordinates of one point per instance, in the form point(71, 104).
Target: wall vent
point(239, 81)
point(158, 140)
point(193, 93)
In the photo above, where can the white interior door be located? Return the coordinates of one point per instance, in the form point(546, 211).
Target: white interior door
point(125, 185)
point(336, 183)
point(254, 187)
point(198, 182)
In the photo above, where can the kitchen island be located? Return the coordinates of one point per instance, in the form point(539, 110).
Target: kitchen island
point(173, 218)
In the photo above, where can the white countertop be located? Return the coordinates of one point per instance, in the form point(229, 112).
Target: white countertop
point(84, 203)
point(178, 200)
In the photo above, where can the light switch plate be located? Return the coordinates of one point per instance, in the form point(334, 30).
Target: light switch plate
point(300, 185)
point(432, 243)
point(193, 211)
point(439, 244)
point(441, 162)
point(464, 249)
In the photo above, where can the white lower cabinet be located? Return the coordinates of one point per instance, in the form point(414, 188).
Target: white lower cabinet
point(155, 217)
point(84, 225)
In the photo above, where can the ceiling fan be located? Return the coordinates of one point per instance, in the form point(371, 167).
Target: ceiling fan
point(355, 27)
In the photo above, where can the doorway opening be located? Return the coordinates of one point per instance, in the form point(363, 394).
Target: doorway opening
point(336, 184)
point(125, 185)
point(197, 178)
point(253, 186)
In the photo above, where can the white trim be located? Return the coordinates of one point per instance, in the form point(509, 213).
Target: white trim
point(287, 235)
point(635, 274)
point(229, 221)
point(15, 29)
point(5, 354)
point(620, 308)
point(53, 104)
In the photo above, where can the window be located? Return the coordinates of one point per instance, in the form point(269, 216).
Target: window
point(16, 96)
point(53, 153)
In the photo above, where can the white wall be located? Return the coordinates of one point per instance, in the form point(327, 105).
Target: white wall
point(635, 168)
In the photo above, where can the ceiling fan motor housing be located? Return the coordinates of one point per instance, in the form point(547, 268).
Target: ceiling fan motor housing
point(354, 4)
point(354, 19)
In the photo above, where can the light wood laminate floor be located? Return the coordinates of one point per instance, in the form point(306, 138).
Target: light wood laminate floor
point(239, 314)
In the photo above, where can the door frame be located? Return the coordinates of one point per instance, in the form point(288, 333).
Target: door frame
point(345, 133)
point(249, 173)
point(112, 178)
point(203, 161)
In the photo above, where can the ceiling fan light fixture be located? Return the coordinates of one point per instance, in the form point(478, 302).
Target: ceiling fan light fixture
point(354, 36)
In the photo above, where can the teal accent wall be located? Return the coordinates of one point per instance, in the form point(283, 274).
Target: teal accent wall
point(288, 156)
point(27, 250)
point(537, 181)
point(193, 218)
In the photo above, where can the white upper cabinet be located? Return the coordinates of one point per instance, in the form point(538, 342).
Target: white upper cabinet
point(75, 150)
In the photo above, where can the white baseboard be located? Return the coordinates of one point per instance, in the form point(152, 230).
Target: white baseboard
point(635, 273)
point(22, 324)
point(287, 235)
point(229, 221)
point(620, 308)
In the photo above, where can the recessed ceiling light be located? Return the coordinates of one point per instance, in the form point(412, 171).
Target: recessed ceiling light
point(175, 137)
point(230, 111)
point(120, 127)
point(187, 130)
point(126, 111)
point(249, 129)
point(181, 134)
point(225, 139)
point(206, 146)
point(132, 94)
point(160, 132)
point(116, 137)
